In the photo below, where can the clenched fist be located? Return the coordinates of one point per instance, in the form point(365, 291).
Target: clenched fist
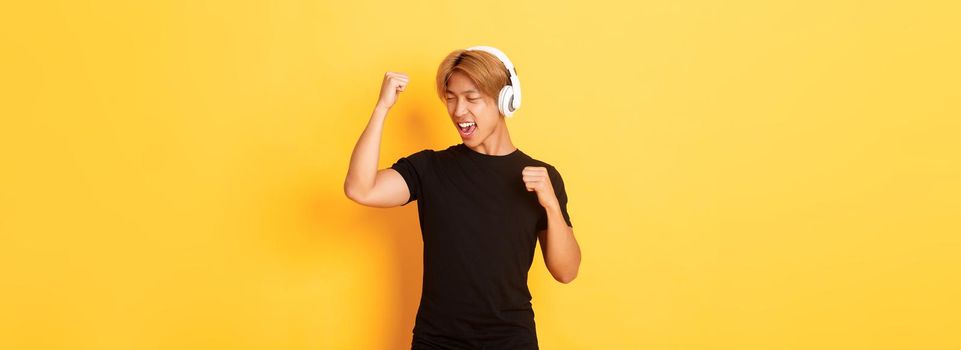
point(536, 179)
point(394, 83)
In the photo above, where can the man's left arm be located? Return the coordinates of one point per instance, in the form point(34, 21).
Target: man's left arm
point(562, 254)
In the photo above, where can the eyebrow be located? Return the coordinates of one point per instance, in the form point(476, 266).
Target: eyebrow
point(465, 92)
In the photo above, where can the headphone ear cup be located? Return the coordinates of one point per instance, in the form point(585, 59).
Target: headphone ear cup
point(504, 100)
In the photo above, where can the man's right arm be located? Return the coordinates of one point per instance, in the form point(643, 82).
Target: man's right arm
point(364, 183)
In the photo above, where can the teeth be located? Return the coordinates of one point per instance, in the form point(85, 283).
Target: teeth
point(464, 125)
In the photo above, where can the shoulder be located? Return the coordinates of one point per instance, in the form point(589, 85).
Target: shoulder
point(531, 161)
point(417, 160)
point(451, 152)
point(426, 152)
point(421, 154)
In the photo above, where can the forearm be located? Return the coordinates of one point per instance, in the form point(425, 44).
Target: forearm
point(562, 254)
point(362, 171)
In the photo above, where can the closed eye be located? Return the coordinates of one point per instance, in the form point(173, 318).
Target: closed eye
point(469, 99)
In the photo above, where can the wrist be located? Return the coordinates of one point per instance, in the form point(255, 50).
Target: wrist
point(379, 115)
point(553, 209)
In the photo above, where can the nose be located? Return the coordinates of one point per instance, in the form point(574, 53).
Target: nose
point(460, 109)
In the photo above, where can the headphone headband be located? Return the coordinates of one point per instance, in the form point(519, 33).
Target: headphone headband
point(511, 72)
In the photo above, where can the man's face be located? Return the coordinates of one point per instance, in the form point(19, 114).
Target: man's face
point(466, 104)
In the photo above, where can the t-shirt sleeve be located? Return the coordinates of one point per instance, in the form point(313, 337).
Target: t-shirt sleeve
point(412, 168)
point(558, 183)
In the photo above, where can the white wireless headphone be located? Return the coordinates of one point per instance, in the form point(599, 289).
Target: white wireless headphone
point(509, 98)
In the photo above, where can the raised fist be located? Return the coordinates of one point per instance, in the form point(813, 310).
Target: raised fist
point(394, 84)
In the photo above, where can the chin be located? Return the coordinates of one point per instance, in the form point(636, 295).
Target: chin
point(473, 141)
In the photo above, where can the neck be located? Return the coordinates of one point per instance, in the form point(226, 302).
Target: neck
point(498, 143)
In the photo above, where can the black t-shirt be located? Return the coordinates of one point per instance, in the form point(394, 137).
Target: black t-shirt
point(479, 226)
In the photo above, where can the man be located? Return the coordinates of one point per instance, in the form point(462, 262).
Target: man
point(482, 204)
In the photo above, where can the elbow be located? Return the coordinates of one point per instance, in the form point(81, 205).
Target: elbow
point(566, 278)
point(352, 193)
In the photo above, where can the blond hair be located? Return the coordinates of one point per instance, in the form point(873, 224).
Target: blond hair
point(483, 68)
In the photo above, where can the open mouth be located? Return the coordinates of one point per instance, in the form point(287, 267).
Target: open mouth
point(466, 128)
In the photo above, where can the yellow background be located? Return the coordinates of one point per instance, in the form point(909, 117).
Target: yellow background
point(741, 174)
